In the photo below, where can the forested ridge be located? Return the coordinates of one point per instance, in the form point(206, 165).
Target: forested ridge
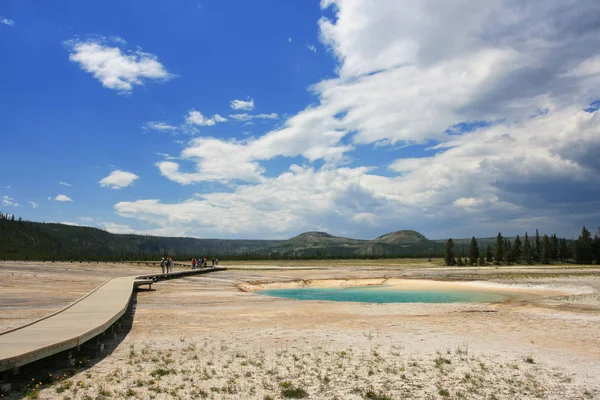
point(28, 240)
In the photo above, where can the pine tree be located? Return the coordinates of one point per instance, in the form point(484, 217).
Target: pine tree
point(538, 246)
point(583, 253)
point(553, 247)
point(527, 256)
point(546, 251)
point(449, 253)
point(596, 247)
point(508, 251)
point(499, 251)
point(473, 251)
point(517, 249)
point(481, 258)
point(488, 254)
point(563, 250)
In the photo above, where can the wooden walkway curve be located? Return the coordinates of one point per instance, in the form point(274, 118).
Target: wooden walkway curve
point(75, 324)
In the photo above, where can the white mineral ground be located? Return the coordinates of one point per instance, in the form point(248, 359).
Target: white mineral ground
point(213, 337)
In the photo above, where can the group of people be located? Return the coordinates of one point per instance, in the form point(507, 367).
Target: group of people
point(166, 265)
point(202, 262)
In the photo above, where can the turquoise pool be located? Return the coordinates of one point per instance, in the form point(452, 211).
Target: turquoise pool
point(387, 294)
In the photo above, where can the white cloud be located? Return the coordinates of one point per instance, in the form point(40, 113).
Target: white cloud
point(197, 118)
point(242, 104)
point(311, 47)
point(118, 179)
point(466, 202)
point(6, 21)
point(9, 202)
point(472, 181)
point(33, 204)
point(7, 187)
point(63, 198)
point(116, 228)
point(401, 81)
point(290, 39)
point(116, 68)
point(159, 126)
point(248, 117)
point(69, 223)
point(64, 184)
point(167, 156)
point(410, 81)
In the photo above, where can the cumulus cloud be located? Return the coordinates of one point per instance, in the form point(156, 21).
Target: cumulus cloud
point(33, 204)
point(62, 198)
point(118, 179)
point(117, 68)
point(197, 118)
point(246, 105)
point(6, 21)
point(9, 202)
point(503, 61)
point(497, 109)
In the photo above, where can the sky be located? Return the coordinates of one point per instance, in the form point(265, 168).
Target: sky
point(236, 119)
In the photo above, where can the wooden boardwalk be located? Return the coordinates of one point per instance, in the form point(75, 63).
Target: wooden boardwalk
point(75, 324)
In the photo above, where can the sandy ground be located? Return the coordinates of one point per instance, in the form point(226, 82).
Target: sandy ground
point(205, 337)
point(32, 290)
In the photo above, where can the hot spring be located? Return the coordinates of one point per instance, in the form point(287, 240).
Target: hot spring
point(406, 291)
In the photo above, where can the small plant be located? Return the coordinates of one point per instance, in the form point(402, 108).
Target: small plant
point(441, 361)
point(373, 395)
point(103, 391)
point(529, 360)
point(66, 385)
point(294, 393)
point(444, 393)
point(161, 372)
point(33, 393)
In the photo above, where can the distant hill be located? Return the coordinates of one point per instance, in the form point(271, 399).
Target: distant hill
point(402, 237)
point(34, 240)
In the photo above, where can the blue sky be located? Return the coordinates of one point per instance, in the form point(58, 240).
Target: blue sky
point(263, 120)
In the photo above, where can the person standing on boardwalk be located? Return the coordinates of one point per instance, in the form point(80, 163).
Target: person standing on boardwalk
point(170, 269)
point(193, 263)
point(162, 265)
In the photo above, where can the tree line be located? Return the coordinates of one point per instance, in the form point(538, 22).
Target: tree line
point(537, 250)
point(27, 240)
